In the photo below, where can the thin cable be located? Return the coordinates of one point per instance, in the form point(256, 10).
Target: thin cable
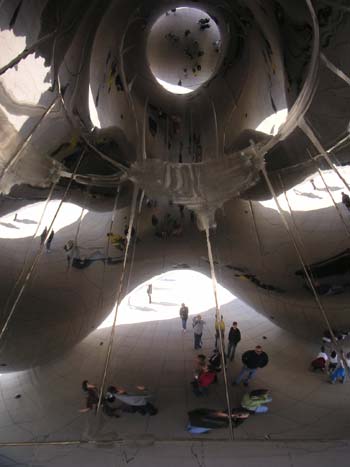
point(75, 248)
point(215, 127)
point(21, 274)
point(300, 240)
point(38, 255)
point(301, 259)
point(217, 318)
point(27, 51)
point(100, 300)
point(119, 294)
point(18, 152)
point(258, 239)
point(305, 127)
point(330, 194)
point(134, 244)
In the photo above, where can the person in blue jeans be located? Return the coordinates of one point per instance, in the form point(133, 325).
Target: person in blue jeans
point(184, 316)
point(338, 374)
point(198, 324)
point(252, 360)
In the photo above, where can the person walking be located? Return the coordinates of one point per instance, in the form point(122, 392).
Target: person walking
point(198, 325)
point(43, 236)
point(49, 240)
point(234, 337)
point(184, 316)
point(252, 360)
point(149, 293)
point(219, 328)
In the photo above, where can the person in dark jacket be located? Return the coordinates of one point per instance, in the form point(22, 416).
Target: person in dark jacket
point(234, 337)
point(203, 420)
point(252, 360)
point(345, 199)
point(91, 393)
point(49, 241)
point(184, 316)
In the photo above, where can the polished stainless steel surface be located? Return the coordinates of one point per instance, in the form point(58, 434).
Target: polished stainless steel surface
point(189, 102)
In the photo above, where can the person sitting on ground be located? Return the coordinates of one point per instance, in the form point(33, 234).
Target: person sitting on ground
point(200, 365)
point(92, 396)
point(319, 363)
point(201, 383)
point(203, 420)
point(214, 362)
point(139, 400)
point(254, 401)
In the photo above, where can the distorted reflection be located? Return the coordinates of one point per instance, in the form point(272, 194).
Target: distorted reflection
point(24, 222)
point(311, 194)
point(169, 290)
point(270, 125)
point(93, 110)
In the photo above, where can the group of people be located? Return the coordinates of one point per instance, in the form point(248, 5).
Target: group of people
point(333, 365)
point(205, 374)
point(203, 420)
point(252, 359)
point(117, 399)
point(166, 227)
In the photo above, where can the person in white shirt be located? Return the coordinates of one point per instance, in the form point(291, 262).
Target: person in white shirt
point(333, 361)
point(323, 354)
point(319, 363)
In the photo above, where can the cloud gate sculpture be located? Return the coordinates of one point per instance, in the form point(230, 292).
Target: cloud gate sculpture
point(234, 114)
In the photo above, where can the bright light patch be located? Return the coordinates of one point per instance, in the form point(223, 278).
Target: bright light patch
point(93, 110)
point(24, 84)
point(173, 87)
point(304, 197)
point(169, 291)
point(272, 124)
point(24, 222)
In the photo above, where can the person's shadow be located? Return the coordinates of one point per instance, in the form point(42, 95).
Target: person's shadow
point(9, 226)
point(330, 188)
point(25, 221)
point(309, 195)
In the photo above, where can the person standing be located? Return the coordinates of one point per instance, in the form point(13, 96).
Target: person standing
point(184, 316)
point(234, 337)
point(345, 199)
point(43, 236)
point(252, 360)
point(149, 293)
point(198, 325)
point(220, 328)
point(49, 240)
